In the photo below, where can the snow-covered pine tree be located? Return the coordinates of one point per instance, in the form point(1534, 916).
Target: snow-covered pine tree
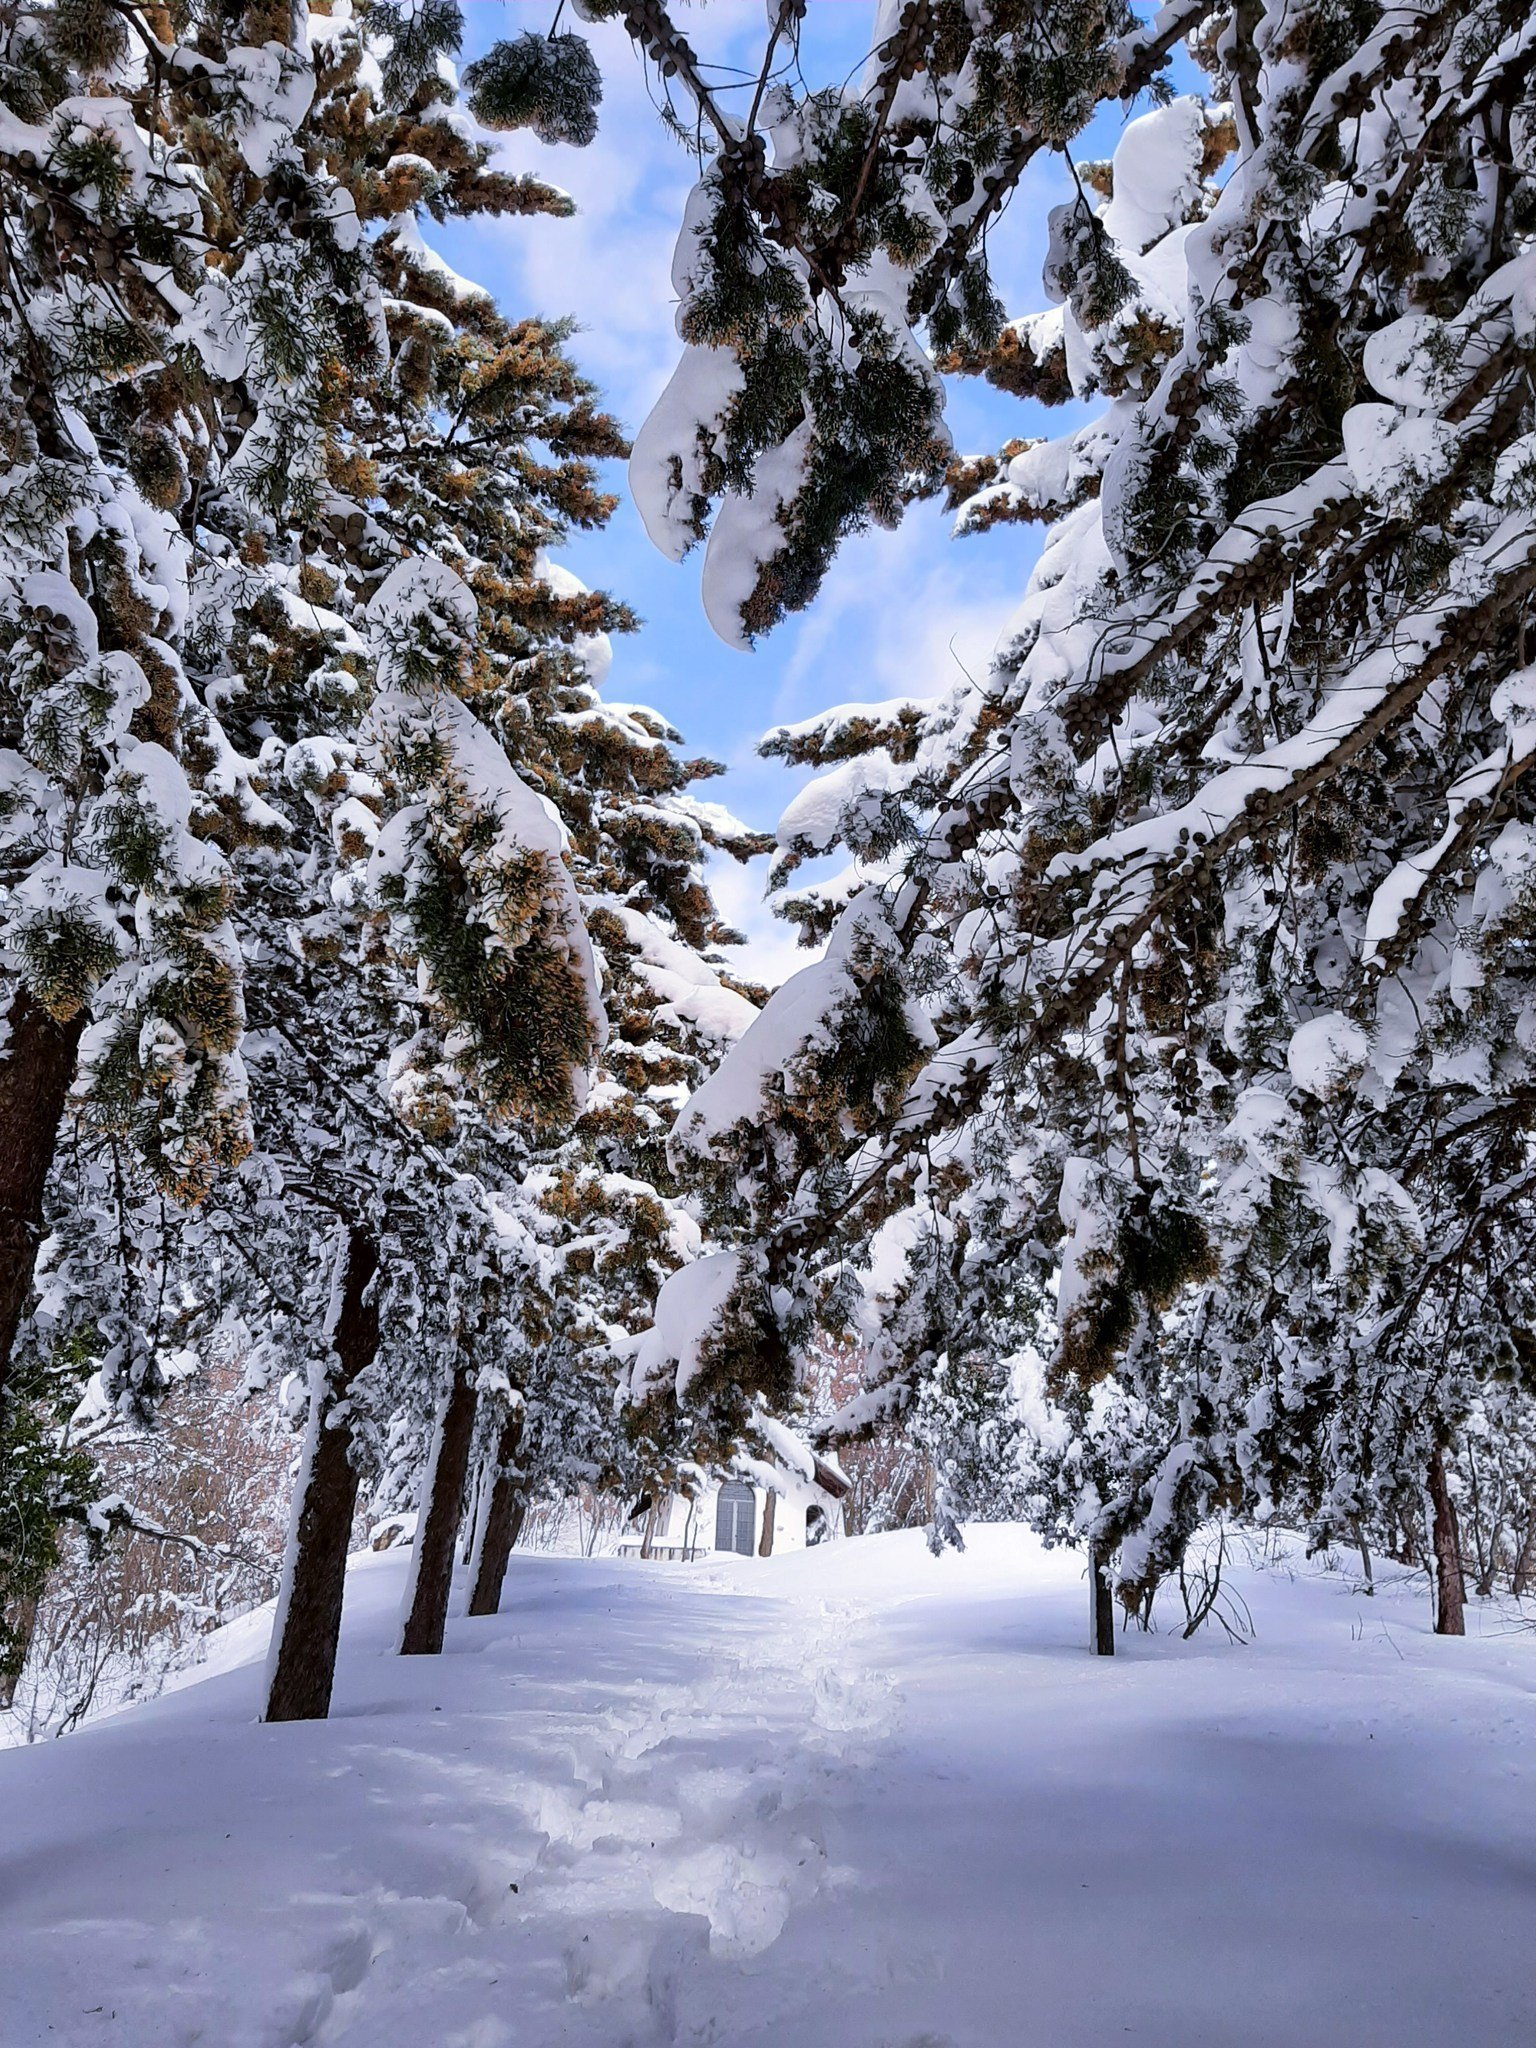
point(1325, 1078)
point(422, 986)
point(616, 1224)
point(135, 287)
point(158, 307)
point(1200, 984)
point(205, 320)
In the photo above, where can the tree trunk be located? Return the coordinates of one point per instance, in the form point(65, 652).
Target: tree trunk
point(23, 1622)
point(1450, 1594)
point(503, 1520)
point(1488, 1559)
point(35, 1078)
point(1485, 1535)
point(437, 1527)
point(302, 1662)
point(1101, 1604)
point(1525, 1563)
point(474, 1515)
point(1365, 1555)
point(765, 1546)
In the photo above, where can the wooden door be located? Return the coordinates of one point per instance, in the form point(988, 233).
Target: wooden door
point(735, 1517)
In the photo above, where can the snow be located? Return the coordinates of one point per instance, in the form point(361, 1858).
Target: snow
point(814, 818)
point(1478, 788)
point(829, 724)
point(1090, 1232)
point(1156, 174)
point(1327, 1053)
point(666, 471)
point(51, 594)
point(278, 85)
point(1396, 458)
point(689, 1308)
point(794, 1025)
point(855, 1797)
point(427, 263)
point(749, 531)
point(1041, 481)
point(689, 990)
point(69, 891)
point(422, 588)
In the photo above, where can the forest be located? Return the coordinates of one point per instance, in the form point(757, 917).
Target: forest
point(740, 1319)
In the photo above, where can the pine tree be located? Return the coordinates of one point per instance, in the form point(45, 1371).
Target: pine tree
point(121, 156)
point(166, 409)
point(157, 315)
point(431, 899)
point(1199, 984)
point(635, 836)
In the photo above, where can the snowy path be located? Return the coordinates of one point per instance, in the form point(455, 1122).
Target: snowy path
point(801, 1804)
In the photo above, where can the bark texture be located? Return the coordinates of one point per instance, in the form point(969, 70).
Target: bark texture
point(308, 1624)
point(1365, 1557)
point(1101, 1604)
point(23, 1622)
point(770, 1505)
point(503, 1520)
point(1450, 1594)
point(437, 1527)
point(1525, 1564)
point(35, 1078)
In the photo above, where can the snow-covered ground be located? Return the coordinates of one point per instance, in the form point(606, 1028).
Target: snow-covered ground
point(854, 1798)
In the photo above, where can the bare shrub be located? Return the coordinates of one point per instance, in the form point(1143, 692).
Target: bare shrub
point(118, 1615)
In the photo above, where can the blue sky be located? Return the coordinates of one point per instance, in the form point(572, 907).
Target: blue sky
point(899, 610)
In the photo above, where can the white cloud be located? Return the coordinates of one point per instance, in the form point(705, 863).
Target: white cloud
point(900, 614)
point(771, 953)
